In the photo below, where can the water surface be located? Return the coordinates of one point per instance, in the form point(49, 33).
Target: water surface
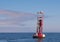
point(27, 37)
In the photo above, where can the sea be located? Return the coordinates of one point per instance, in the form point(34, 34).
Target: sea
point(28, 37)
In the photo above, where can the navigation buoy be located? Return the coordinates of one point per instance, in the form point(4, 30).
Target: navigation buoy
point(39, 33)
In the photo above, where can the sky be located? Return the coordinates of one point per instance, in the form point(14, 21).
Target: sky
point(21, 15)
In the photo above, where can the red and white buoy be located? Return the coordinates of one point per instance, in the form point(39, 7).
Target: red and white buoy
point(39, 33)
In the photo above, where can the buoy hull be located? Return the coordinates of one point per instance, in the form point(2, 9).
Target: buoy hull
point(39, 36)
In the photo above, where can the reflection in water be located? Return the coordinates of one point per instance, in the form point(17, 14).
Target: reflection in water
point(39, 40)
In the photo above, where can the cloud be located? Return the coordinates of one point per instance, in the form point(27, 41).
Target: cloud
point(12, 18)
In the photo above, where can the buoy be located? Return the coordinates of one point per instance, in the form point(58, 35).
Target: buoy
point(39, 33)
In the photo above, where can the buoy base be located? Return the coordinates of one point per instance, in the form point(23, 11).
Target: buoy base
point(38, 35)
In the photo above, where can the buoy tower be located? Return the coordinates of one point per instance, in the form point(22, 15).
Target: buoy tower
point(39, 30)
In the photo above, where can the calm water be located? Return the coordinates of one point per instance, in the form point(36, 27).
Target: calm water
point(27, 37)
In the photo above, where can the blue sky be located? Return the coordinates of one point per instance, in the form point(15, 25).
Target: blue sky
point(20, 15)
